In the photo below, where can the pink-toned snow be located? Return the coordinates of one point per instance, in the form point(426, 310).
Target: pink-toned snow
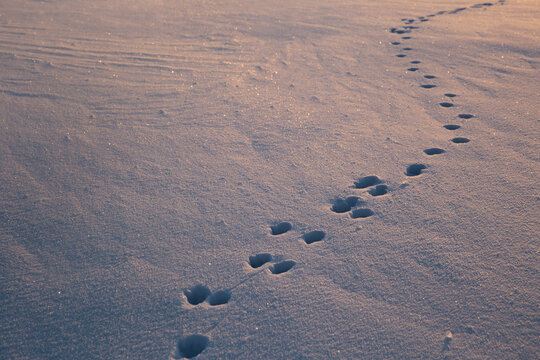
point(151, 148)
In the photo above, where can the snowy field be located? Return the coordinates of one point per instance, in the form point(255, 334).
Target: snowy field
point(300, 179)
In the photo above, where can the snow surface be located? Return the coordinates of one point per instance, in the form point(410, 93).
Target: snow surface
point(150, 149)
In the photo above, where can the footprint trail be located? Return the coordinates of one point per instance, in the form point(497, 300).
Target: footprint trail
point(193, 345)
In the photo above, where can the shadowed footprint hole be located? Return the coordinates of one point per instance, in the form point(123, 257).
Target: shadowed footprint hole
point(406, 37)
point(428, 86)
point(457, 10)
point(415, 62)
point(282, 267)
point(361, 213)
point(430, 76)
point(460, 140)
point(465, 116)
point(220, 297)
point(398, 31)
point(396, 43)
point(191, 346)
point(378, 190)
point(280, 228)
point(476, 6)
point(412, 69)
point(407, 49)
point(344, 205)
point(415, 169)
point(451, 127)
point(434, 151)
point(400, 55)
point(314, 236)
point(259, 260)
point(197, 294)
point(446, 104)
point(450, 95)
point(367, 181)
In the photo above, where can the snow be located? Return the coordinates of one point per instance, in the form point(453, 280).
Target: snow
point(153, 153)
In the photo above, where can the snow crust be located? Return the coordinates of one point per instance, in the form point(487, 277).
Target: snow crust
point(171, 174)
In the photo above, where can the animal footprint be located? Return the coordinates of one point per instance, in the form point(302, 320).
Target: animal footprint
point(415, 62)
point(460, 140)
point(446, 104)
point(434, 151)
point(220, 297)
point(412, 69)
point(280, 228)
point(259, 260)
point(400, 55)
point(282, 267)
point(197, 294)
point(415, 169)
point(191, 346)
point(361, 213)
point(367, 181)
point(465, 116)
point(457, 10)
point(451, 127)
point(482, 4)
point(428, 86)
point(344, 205)
point(314, 236)
point(430, 76)
point(450, 95)
point(378, 190)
